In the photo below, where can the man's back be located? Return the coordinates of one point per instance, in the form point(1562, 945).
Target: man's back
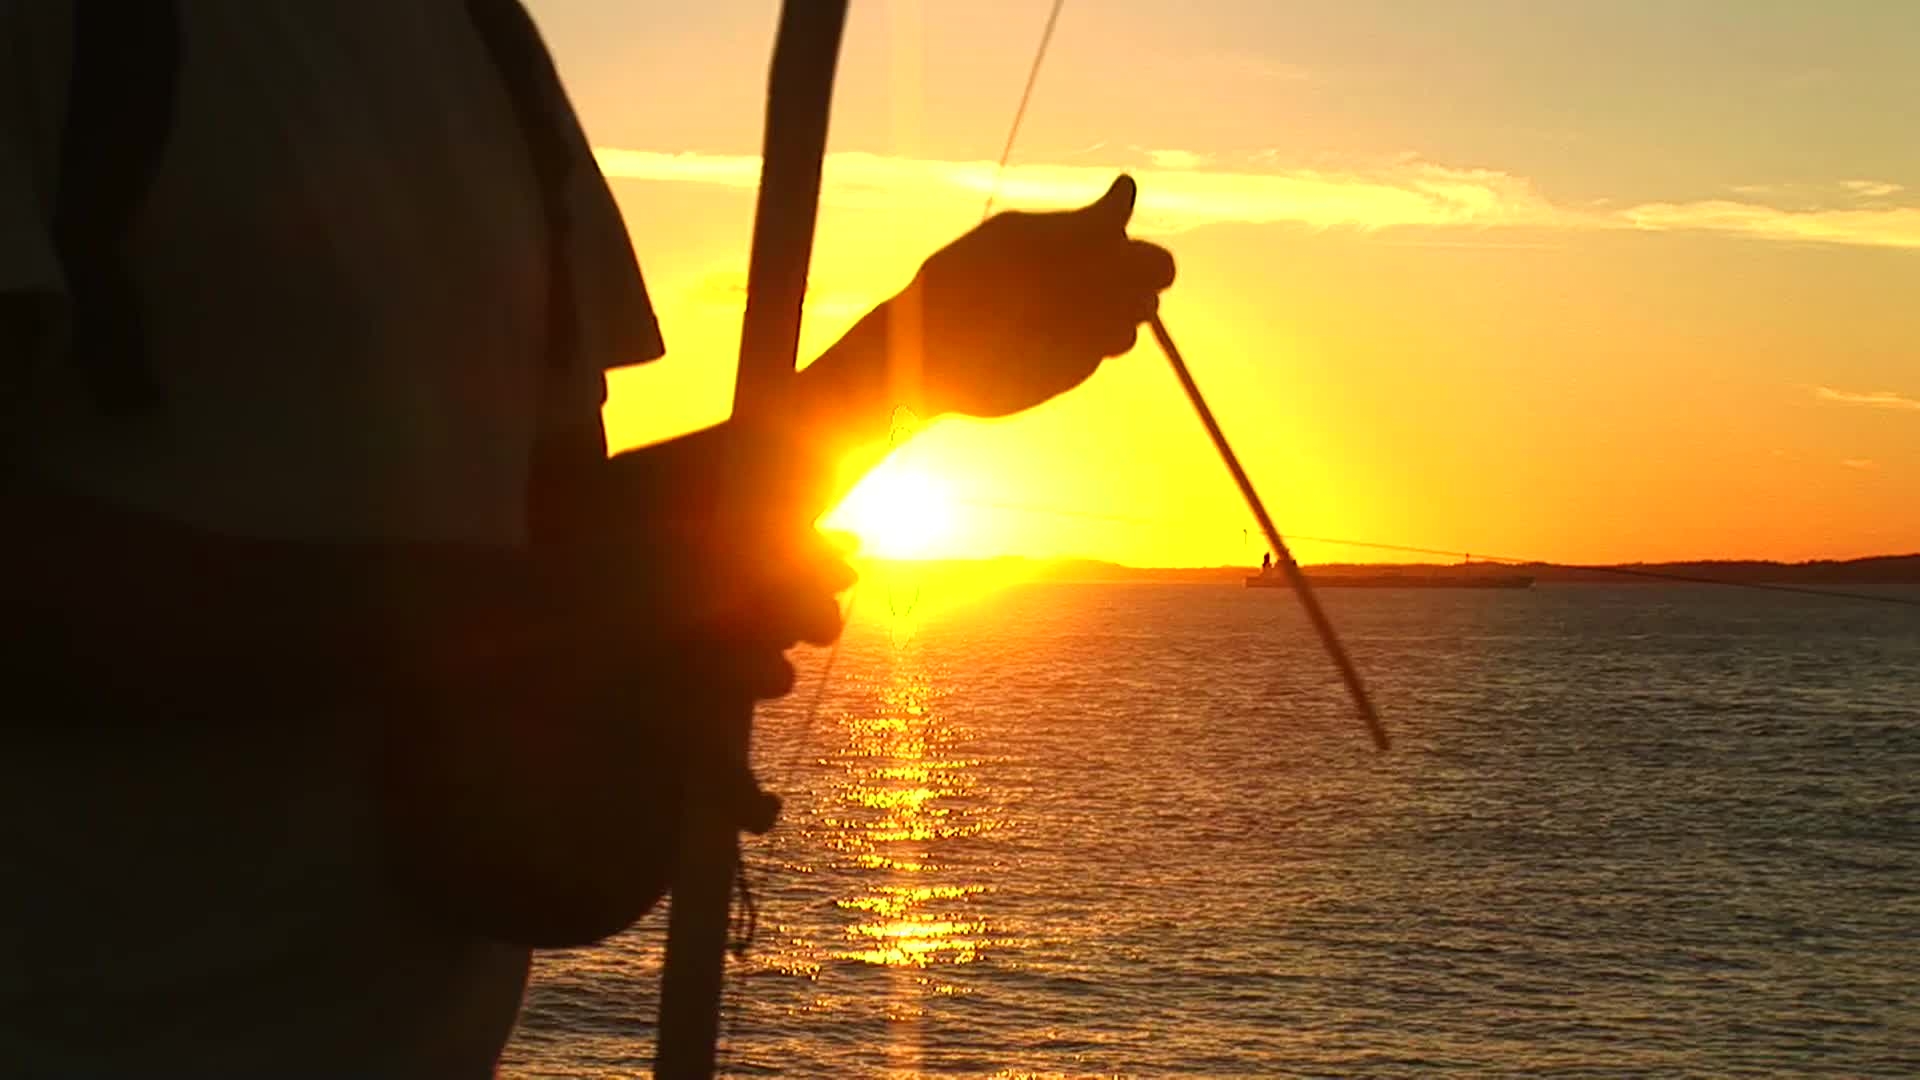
point(343, 272)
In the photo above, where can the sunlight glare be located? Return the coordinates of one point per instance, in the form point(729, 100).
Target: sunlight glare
point(898, 512)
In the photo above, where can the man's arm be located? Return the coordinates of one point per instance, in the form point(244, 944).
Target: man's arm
point(525, 742)
point(523, 706)
point(1016, 312)
point(543, 809)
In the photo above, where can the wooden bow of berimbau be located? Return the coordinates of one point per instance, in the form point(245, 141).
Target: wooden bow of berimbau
point(799, 97)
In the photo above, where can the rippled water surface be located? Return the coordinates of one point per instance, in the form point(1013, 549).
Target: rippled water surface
point(1136, 831)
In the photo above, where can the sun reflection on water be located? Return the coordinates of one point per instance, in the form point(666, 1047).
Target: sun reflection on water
point(903, 793)
point(879, 888)
point(903, 801)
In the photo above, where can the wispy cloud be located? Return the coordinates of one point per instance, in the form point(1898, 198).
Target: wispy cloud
point(1175, 194)
point(1871, 189)
point(1860, 464)
point(1808, 193)
point(1178, 159)
point(1897, 227)
point(1879, 399)
point(1181, 190)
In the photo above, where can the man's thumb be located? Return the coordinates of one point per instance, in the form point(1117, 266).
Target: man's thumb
point(1112, 211)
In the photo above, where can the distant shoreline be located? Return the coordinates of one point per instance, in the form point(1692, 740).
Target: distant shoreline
point(1872, 570)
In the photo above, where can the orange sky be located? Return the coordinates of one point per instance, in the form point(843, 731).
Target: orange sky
point(1572, 282)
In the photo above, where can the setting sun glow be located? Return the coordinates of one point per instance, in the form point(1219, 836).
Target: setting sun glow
point(1495, 296)
point(898, 512)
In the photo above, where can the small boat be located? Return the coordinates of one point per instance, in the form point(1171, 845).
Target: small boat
point(1451, 578)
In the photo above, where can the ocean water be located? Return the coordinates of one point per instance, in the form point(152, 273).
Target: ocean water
point(1071, 830)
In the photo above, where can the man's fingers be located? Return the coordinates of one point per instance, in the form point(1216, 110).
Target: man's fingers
point(803, 605)
point(1150, 266)
point(1143, 308)
point(766, 675)
point(1119, 340)
point(1106, 305)
point(838, 575)
point(1111, 212)
point(1124, 279)
point(755, 653)
point(806, 615)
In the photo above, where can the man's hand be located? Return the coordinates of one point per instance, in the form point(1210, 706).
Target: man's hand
point(722, 560)
point(1026, 306)
point(1019, 310)
point(746, 616)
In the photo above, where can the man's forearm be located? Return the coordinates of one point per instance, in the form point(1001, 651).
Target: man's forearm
point(866, 394)
point(844, 414)
point(846, 396)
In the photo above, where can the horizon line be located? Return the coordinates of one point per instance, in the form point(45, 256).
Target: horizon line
point(1487, 560)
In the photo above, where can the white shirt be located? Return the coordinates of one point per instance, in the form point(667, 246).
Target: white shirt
point(342, 272)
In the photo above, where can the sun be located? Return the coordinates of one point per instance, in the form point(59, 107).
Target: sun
point(898, 511)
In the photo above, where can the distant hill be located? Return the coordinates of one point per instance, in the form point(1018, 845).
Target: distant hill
point(1874, 570)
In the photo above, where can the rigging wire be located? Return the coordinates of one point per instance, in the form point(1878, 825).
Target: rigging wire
point(1020, 111)
point(826, 668)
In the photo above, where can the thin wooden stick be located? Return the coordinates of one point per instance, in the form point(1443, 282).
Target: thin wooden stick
point(1301, 587)
point(799, 96)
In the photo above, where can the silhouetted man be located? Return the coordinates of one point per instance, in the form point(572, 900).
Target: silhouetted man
point(345, 664)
